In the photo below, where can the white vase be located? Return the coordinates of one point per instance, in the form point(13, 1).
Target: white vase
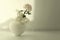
point(17, 28)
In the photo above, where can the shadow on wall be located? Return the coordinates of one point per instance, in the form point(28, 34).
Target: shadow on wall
point(47, 14)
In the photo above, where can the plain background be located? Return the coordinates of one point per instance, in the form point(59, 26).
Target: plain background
point(46, 15)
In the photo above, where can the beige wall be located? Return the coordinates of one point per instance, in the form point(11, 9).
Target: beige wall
point(47, 14)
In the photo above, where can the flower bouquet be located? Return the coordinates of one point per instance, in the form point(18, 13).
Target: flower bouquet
point(17, 27)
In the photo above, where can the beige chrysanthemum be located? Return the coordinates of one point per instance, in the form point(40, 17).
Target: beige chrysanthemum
point(28, 7)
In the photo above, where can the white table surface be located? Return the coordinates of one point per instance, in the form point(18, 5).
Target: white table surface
point(31, 35)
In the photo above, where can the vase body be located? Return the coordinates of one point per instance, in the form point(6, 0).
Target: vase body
point(17, 28)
